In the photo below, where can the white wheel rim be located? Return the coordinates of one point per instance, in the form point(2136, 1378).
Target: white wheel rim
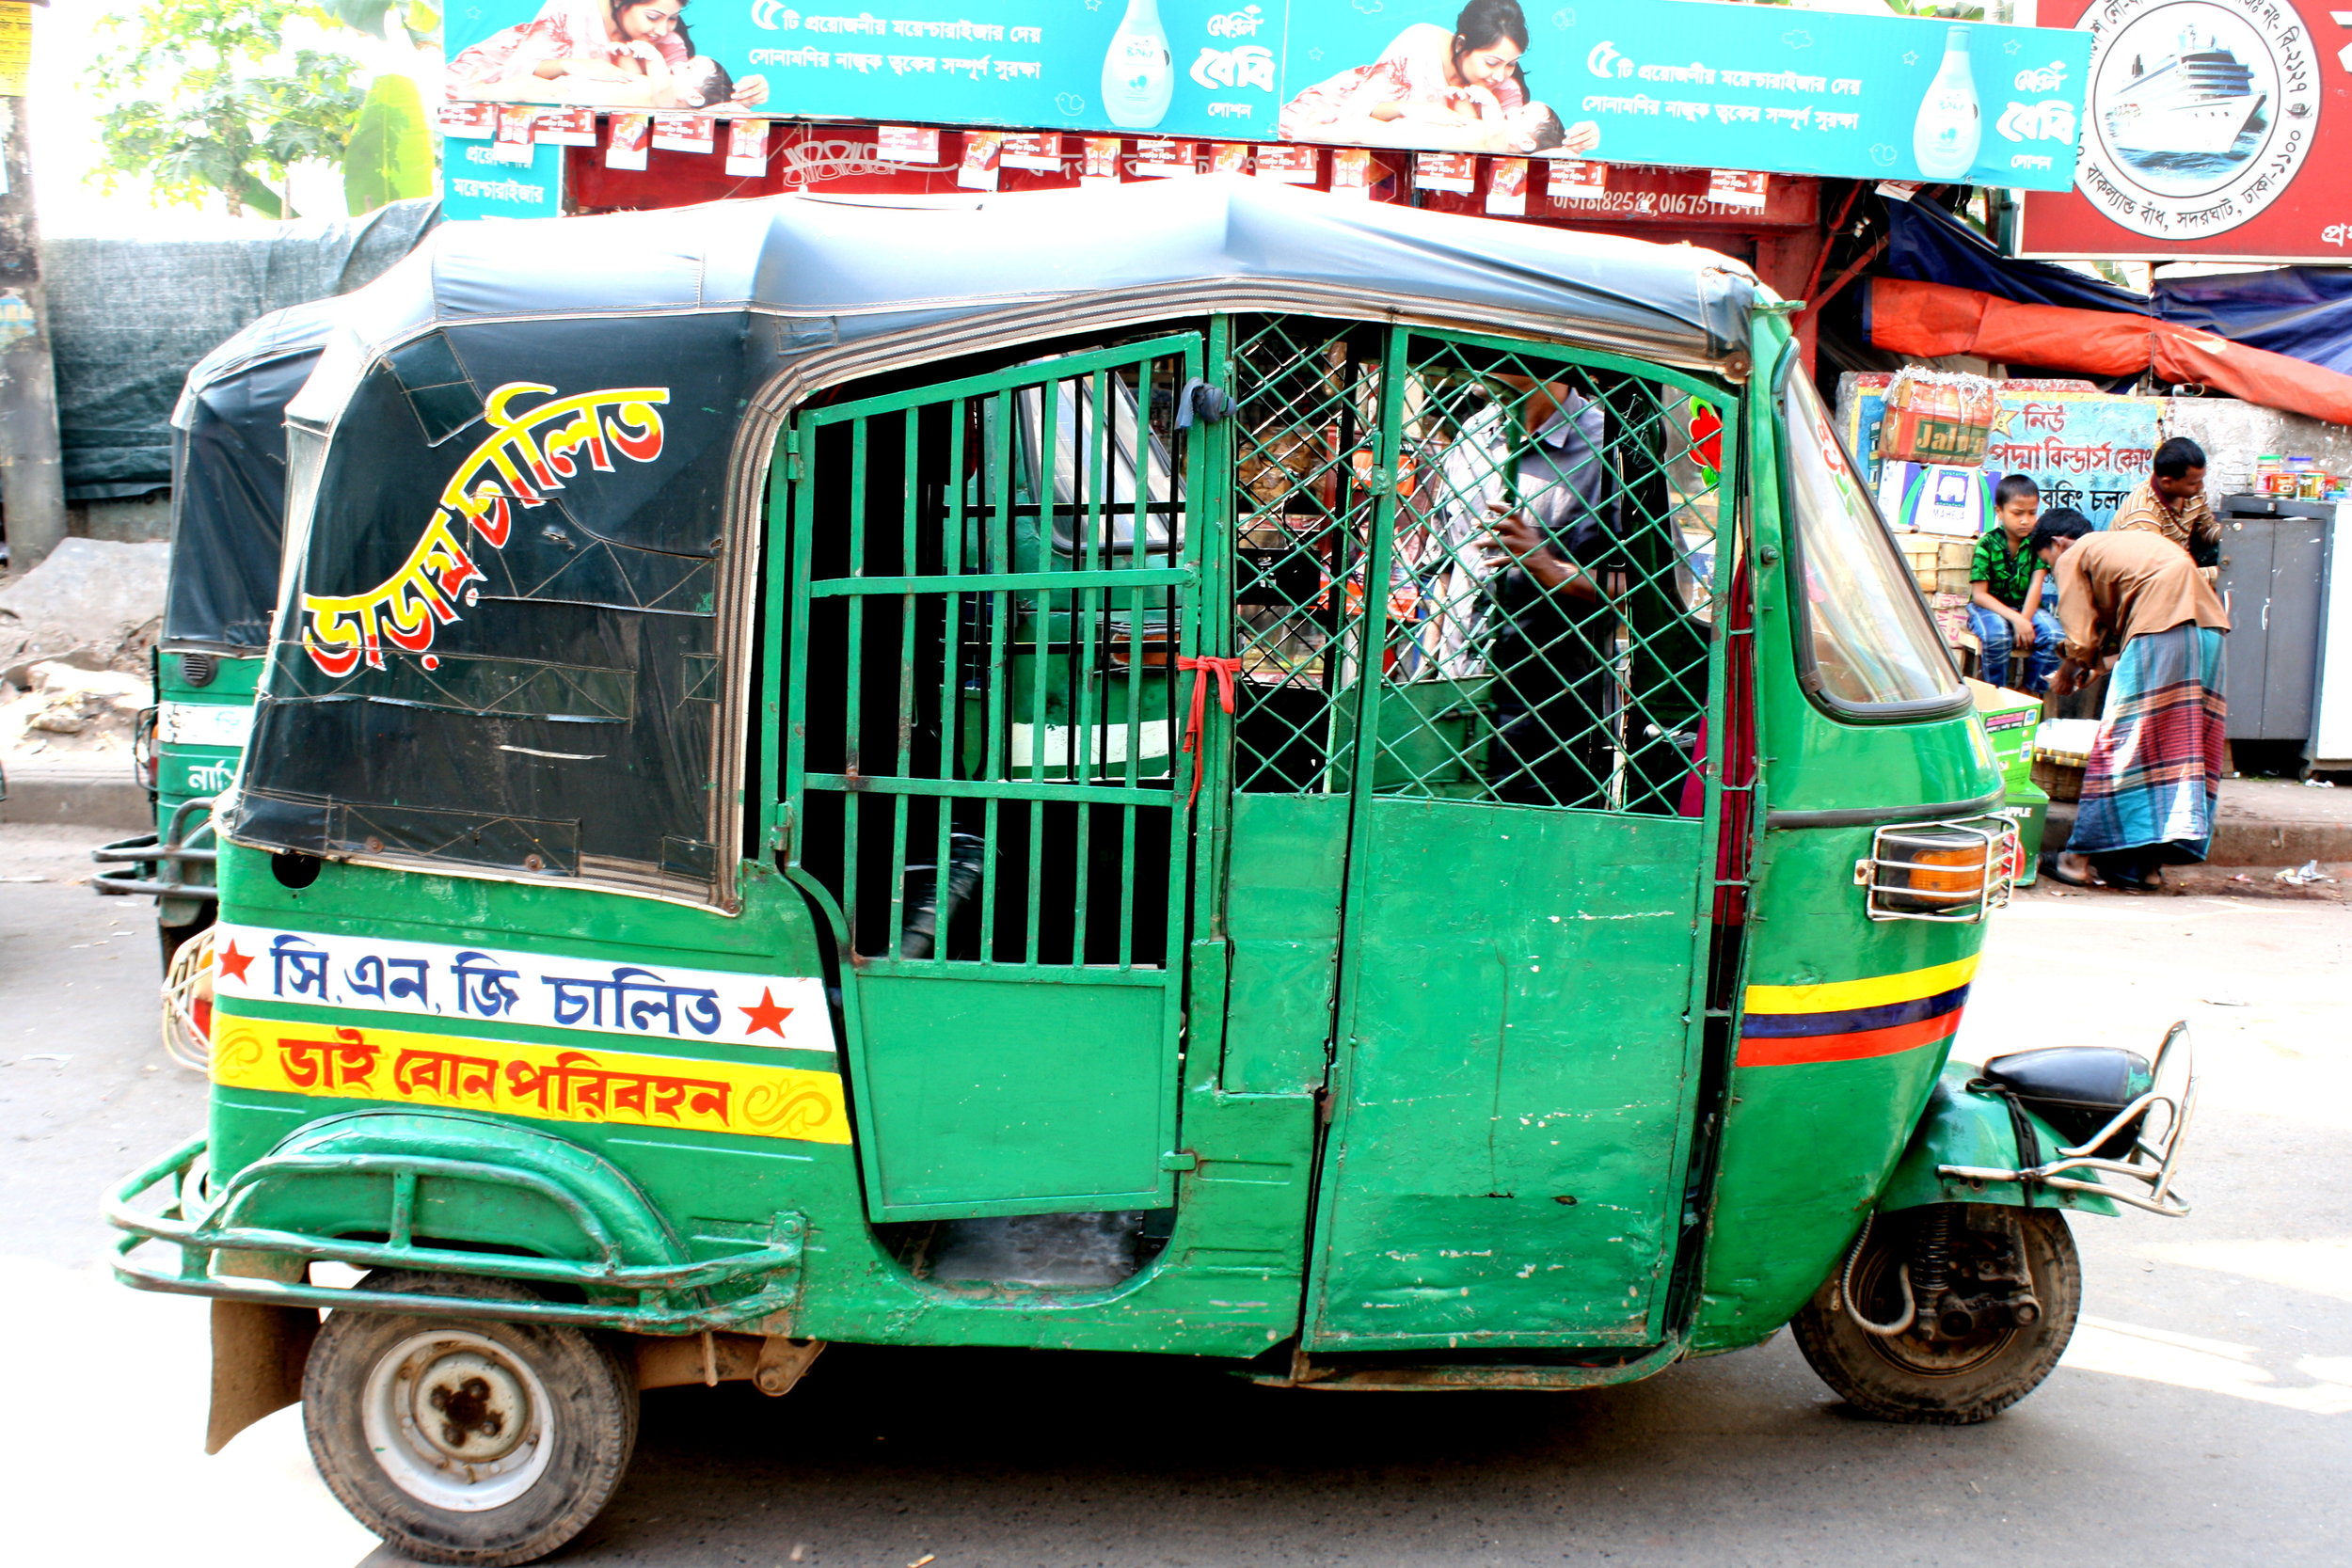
point(457, 1420)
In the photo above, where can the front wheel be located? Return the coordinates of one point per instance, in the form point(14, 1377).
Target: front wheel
point(466, 1442)
point(1969, 1306)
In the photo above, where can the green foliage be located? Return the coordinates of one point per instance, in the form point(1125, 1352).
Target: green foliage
point(209, 100)
point(390, 156)
point(420, 19)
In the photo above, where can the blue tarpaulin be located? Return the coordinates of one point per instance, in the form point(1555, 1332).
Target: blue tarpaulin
point(2305, 312)
point(1928, 245)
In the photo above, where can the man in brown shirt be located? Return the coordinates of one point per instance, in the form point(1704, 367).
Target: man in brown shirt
point(2154, 770)
point(2114, 586)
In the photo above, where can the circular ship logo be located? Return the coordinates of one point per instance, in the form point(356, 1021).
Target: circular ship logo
point(2199, 116)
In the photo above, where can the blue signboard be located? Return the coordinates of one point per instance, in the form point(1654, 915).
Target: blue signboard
point(2085, 450)
point(475, 183)
point(1688, 82)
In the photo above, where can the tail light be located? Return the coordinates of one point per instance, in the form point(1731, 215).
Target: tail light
point(1950, 871)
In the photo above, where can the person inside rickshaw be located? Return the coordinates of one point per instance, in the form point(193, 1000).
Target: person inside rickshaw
point(1523, 512)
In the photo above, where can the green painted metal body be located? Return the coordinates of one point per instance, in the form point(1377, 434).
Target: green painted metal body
point(1807, 1149)
point(1402, 1065)
point(177, 867)
point(187, 771)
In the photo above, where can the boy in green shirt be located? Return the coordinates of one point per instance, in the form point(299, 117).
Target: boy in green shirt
point(2005, 593)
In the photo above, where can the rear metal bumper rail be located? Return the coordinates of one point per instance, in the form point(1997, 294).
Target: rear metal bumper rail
point(673, 1296)
point(2144, 1180)
point(156, 862)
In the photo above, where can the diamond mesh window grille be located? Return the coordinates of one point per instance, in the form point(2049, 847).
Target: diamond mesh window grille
point(1543, 599)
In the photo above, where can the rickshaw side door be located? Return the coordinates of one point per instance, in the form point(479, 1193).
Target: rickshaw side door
point(1520, 842)
point(992, 582)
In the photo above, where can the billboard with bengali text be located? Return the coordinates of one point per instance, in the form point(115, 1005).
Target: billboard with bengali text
point(2085, 448)
point(476, 182)
point(2217, 129)
point(1691, 82)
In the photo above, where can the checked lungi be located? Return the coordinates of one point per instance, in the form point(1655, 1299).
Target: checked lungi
point(2156, 768)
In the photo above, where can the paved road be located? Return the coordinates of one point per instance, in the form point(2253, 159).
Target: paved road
point(2204, 1415)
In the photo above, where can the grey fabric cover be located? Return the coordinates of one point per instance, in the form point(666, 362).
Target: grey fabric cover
point(130, 316)
point(228, 480)
point(854, 269)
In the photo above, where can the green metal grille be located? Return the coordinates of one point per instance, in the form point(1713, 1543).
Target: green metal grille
point(1371, 467)
point(1309, 405)
point(991, 592)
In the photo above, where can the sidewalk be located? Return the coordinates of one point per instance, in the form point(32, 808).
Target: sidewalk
point(94, 791)
point(2280, 822)
point(2260, 827)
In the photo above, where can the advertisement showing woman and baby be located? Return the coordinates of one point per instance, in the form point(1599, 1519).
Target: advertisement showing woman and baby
point(1638, 81)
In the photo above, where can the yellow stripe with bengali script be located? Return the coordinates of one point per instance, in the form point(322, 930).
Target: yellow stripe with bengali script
point(1879, 990)
point(547, 1082)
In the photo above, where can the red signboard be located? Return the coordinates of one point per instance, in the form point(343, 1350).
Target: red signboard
point(2216, 129)
point(859, 159)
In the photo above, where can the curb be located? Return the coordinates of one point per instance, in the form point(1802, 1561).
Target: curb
point(2240, 841)
point(108, 802)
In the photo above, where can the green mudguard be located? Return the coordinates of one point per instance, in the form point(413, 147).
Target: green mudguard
point(1966, 1127)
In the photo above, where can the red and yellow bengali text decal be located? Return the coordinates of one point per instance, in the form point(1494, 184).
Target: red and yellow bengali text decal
point(532, 452)
point(547, 1083)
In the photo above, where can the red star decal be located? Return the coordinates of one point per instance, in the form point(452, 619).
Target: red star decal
point(768, 1015)
point(232, 963)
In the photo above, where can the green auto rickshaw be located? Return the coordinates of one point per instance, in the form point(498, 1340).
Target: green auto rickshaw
point(1211, 769)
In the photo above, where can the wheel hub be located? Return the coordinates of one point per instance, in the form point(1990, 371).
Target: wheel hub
point(470, 1407)
point(1950, 1336)
point(457, 1419)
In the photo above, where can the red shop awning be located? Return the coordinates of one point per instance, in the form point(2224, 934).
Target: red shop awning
point(1930, 319)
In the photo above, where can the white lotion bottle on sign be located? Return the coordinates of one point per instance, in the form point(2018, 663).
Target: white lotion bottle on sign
point(1138, 73)
point(1943, 138)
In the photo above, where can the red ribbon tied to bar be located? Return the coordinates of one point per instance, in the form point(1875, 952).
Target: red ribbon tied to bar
point(1203, 668)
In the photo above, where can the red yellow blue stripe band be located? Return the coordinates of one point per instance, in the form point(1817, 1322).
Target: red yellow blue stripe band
point(1845, 1020)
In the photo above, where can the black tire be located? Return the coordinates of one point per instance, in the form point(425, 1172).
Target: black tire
point(173, 937)
point(548, 1413)
point(1911, 1377)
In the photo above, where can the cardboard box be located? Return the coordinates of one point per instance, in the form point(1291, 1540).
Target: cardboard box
point(1938, 565)
point(2029, 809)
point(2009, 719)
point(1938, 416)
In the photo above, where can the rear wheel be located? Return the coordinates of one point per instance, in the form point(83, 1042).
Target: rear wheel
point(1986, 1296)
point(464, 1442)
point(173, 937)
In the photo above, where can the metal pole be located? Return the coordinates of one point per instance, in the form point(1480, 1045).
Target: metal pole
point(32, 483)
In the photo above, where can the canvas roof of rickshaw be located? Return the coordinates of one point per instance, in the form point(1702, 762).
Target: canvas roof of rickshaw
point(859, 272)
point(289, 333)
point(228, 496)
